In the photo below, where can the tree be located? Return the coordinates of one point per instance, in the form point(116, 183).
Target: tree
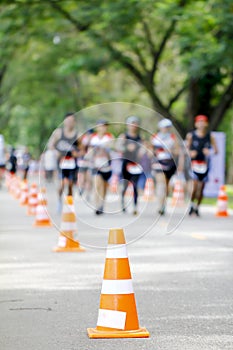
point(179, 52)
point(201, 31)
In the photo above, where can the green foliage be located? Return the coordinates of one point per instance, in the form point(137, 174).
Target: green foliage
point(205, 36)
point(58, 56)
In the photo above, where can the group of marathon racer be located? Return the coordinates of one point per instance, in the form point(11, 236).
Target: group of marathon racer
point(86, 159)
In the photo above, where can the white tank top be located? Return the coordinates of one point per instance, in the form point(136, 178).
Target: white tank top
point(163, 144)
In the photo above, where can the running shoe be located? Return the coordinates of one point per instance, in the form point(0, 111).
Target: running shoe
point(191, 210)
point(162, 211)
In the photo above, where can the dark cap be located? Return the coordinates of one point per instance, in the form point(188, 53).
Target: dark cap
point(102, 122)
point(133, 119)
point(68, 115)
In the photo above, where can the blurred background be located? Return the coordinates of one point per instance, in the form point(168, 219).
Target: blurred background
point(175, 57)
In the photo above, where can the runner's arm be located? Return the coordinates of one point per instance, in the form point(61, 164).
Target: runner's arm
point(56, 135)
point(214, 150)
point(188, 142)
point(120, 143)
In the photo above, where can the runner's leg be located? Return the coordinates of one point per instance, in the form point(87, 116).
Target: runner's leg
point(99, 193)
point(161, 190)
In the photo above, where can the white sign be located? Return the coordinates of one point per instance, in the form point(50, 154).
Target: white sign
point(216, 176)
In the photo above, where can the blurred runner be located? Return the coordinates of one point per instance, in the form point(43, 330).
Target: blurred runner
point(49, 160)
point(145, 162)
point(130, 143)
point(199, 143)
point(167, 154)
point(65, 141)
point(11, 163)
point(26, 158)
point(99, 149)
point(84, 166)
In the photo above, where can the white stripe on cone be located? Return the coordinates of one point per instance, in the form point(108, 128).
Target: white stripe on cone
point(62, 241)
point(32, 201)
point(117, 287)
point(41, 213)
point(68, 226)
point(68, 208)
point(222, 205)
point(116, 251)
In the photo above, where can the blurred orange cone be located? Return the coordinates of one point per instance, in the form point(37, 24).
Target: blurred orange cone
point(117, 312)
point(14, 186)
point(17, 188)
point(11, 183)
point(222, 203)
point(32, 199)
point(23, 200)
point(7, 180)
point(42, 217)
point(66, 242)
point(149, 191)
point(178, 194)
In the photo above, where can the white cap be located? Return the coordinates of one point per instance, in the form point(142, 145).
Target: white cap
point(164, 123)
point(133, 120)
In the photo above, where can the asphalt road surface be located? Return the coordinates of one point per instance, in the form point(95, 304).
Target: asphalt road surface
point(182, 278)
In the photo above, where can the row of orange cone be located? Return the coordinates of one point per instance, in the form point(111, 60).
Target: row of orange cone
point(178, 196)
point(37, 205)
point(117, 317)
point(37, 202)
point(149, 189)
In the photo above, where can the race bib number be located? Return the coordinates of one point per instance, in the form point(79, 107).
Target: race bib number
point(67, 163)
point(134, 168)
point(163, 155)
point(199, 167)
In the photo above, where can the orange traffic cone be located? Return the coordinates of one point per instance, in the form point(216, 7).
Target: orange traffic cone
point(7, 180)
point(222, 203)
point(114, 183)
point(149, 191)
point(10, 183)
point(42, 217)
point(17, 189)
point(178, 194)
point(23, 200)
point(14, 186)
point(66, 242)
point(32, 200)
point(117, 313)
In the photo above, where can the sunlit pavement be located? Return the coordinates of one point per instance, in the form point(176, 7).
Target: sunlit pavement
point(183, 279)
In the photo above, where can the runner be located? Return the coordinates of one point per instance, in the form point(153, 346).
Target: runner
point(49, 161)
point(65, 141)
point(11, 164)
point(26, 158)
point(99, 149)
point(167, 154)
point(130, 143)
point(199, 143)
point(84, 169)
